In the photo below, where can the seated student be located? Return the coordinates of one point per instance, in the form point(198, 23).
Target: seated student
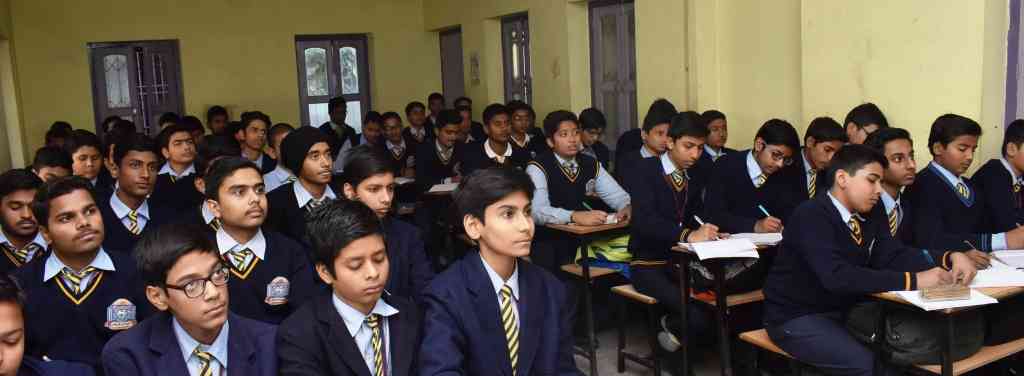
point(306, 153)
point(629, 141)
point(193, 126)
point(280, 175)
point(168, 119)
point(831, 257)
point(400, 149)
point(1001, 182)
point(465, 107)
point(129, 210)
point(593, 124)
point(81, 293)
point(418, 131)
point(437, 162)
point(863, 120)
point(12, 330)
point(563, 180)
point(898, 148)
point(467, 127)
point(496, 150)
point(59, 132)
point(435, 103)
point(368, 179)
point(523, 134)
point(51, 162)
point(195, 333)
point(822, 139)
point(175, 181)
point(282, 130)
point(655, 126)
point(121, 129)
point(372, 124)
point(252, 137)
point(217, 120)
point(340, 136)
point(272, 272)
point(20, 239)
point(357, 328)
point(212, 148)
point(718, 134)
point(86, 159)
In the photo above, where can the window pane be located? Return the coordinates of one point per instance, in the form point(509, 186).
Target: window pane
point(354, 116)
point(316, 72)
point(349, 71)
point(609, 48)
point(116, 76)
point(318, 114)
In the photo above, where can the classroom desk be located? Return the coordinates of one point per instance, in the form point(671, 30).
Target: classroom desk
point(585, 234)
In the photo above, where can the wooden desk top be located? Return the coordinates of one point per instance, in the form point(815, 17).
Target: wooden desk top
point(999, 293)
point(586, 230)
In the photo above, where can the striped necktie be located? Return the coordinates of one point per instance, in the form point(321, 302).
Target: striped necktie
point(214, 224)
point(133, 222)
point(678, 180)
point(962, 190)
point(760, 180)
point(205, 361)
point(239, 257)
point(894, 219)
point(508, 321)
point(74, 279)
point(314, 203)
point(290, 179)
point(1017, 194)
point(377, 341)
point(174, 179)
point(855, 231)
point(571, 169)
point(812, 182)
point(22, 254)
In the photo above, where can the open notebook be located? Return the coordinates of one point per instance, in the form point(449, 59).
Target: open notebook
point(726, 248)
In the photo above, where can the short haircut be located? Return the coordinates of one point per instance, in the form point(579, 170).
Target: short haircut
point(373, 117)
point(337, 102)
point(277, 130)
point(81, 138)
point(163, 139)
point(158, 251)
point(413, 105)
point(493, 110)
point(852, 158)
point(213, 147)
point(463, 99)
point(334, 225)
point(169, 117)
point(56, 188)
point(215, 111)
point(233, 127)
point(120, 130)
point(18, 179)
point(779, 132)
point(825, 129)
point(448, 117)
point(1014, 134)
point(61, 125)
point(593, 118)
point(434, 97)
point(108, 122)
point(136, 142)
point(57, 132)
point(878, 139)
point(948, 127)
point(365, 161)
point(712, 115)
point(220, 170)
point(51, 156)
point(390, 115)
point(11, 292)
point(192, 124)
point(687, 123)
point(463, 108)
point(660, 112)
point(866, 114)
point(518, 105)
point(484, 187)
point(251, 116)
point(556, 118)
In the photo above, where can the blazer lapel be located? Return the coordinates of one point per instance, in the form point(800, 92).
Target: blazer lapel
point(531, 310)
point(240, 349)
point(163, 342)
point(341, 341)
point(400, 341)
point(485, 302)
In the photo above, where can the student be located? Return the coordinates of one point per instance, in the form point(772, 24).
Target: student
point(628, 142)
point(212, 148)
point(370, 180)
point(175, 180)
point(129, 210)
point(358, 328)
point(193, 126)
point(496, 150)
point(400, 149)
point(655, 128)
point(863, 120)
point(280, 175)
point(81, 293)
point(195, 333)
point(1001, 181)
point(217, 119)
point(743, 195)
point(86, 159)
point(340, 136)
point(59, 132)
point(491, 301)
point(418, 131)
point(20, 240)
point(372, 124)
point(898, 148)
point(822, 139)
point(948, 210)
point(523, 134)
point(252, 137)
point(51, 162)
point(437, 162)
point(718, 134)
point(168, 119)
point(307, 154)
point(272, 273)
point(831, 256)
point(465, 107)
point(435, 103)
point(467, 127)
point(120, 130)
point(593, 124)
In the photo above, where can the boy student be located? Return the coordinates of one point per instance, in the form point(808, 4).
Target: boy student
point(307, 154)
point(862, 121)
point(744, 193)
point(523, 134)
point(418, 131)
point(86, 159)
point(718, 134)
point(832, 254)
point(369, 179)
point(271, 272)
point(252, 137)
point(822, 139)
point(490, 312)
point(496, 150)
point(20, 240)
point(1001, 182)
point(437, 162)
point(280, 175)
point(129, 210)
point(58, 133)
point(358, 328)
point(372, 124)
point(467, 127)
point(593, 124)
point(400, 149)
point(168, 119)
point(193, 126)
point(654, 130)
point(465, 107)
point(196, 333)
point(81, 293)
point(340, 136)
point(175, 180)
point(51, 162)
point(898, 148)
point(435, 103)
point(212, 148)
point(275, 134)
point(217, 119)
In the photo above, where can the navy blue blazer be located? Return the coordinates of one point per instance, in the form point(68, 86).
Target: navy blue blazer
point(629, 141)
point(151, 348)
point(409, 268)
point(626, 167)
point(462, 332)
point(653, 234)
point(942, 220)
point(31, 366)
point(1003, 206)
point(179, 195)
point(731, 200)
point(474, 157)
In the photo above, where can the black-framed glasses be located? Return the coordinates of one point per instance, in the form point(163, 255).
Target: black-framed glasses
point(197, 287)
point(780, 156)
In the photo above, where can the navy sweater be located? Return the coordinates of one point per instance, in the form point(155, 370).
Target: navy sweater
point(941, 219)
point(731, 199)
point(1002, 205)
point(661, 225)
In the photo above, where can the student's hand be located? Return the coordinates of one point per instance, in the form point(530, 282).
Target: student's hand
point(589, 218)
point(981, 259)
point(934, 277)
point(963, 268)
point(706, 232)
point(625, 214)
point(768, 224)
point(1015, 238)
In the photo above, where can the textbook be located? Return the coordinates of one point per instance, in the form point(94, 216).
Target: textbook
point(725, 248)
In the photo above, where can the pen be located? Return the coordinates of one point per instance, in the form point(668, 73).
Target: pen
point(763, 210)
point(587, 206)
point(702, 223)
point(991, 255)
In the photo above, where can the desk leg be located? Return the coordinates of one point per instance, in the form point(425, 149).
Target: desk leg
point(722, 308)
point(588, 307)
point(684, 288)
point(947, 347)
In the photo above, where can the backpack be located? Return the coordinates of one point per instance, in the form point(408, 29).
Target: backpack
point(913, 336)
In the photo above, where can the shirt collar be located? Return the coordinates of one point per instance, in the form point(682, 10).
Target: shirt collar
point(712, 153)
point(205, 211)
point(843, 211)
point(953, 180)
point(1014, 178)
point(753, 169)
point(339, 128)
point(38, 240)
point(526, 139)
point(498, 283)
point(490, 152)
point(121, 210)
point(354, 319)
point(667, 166)
point(889, 201)
point(561, 161)
point(440, 148)
point(53, 264)
point(392, 145)
point(219, 347)
point(807, 163)
point(280, 171)
point(302, 196)
point(258, 243)
point(166, 169)
point(646, 153)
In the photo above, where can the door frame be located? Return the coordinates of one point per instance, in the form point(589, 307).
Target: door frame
point(332, 77)
point(92, 46)
point(591, 6)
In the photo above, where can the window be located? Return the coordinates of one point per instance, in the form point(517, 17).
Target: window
point(515, 46)
point(136, 81)
point(331, 66)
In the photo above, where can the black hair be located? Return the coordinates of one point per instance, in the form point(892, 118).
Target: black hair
point(337, 102)
point(215, 111)
point(448, 117)
point(81, 138)
point(158, 251)
point(390, 115)
point(592, 118)
point(866, 114)
point(232, 127)
point(493, 110)
point(660, 112)
point(463, 99)
point(1014, 134)
point(18, 179)
point(555, 119)
point(51, 156)
point(11, 292)
point(220, 170)
point(192, 124)
point(463, 108)
point(852, 158)
point(517, 105)
point(878, 139)
point(825, 129)
point(413, 105)
point(251, 116)
point(56, 188)
point(213, 147)
point(373, 117)
point(779, 132)
point(169, 117)
point(136, 142)
point(334, 225)
point(164, 137)
point(276, 130)
point(108, 122)
point(120, 130)
point(435, 96)
point(57, 133)
point(948, 127)
point(363, 162)
point(712, 115)
point(687, 123)
point(61, 125)
point(484, 187)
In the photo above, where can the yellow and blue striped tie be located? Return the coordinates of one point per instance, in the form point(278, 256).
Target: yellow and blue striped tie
point(205, 361)
point(894, 216)
point(133, 222)
point(812, 183)
point(761, 179)
point(962, 190)
point(508, 321)
point(373, 321)
point(855, 231)
point(239, 257)
point(74, 280)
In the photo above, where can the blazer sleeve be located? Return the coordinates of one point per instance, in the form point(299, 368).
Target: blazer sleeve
point(717, 208)
point(295, 355)
point(1000, 205)
point(648, 223)
point(891, 254)
point(421, 269)
point(441, 350)
point(929, 231)
point(117, 362)
point(566, 361)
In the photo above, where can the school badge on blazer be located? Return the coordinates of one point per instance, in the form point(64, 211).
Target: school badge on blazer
point(277, 291)
point(120, 315)
point(592, 187)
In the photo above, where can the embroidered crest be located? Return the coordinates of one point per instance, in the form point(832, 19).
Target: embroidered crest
point(277, 291)
point(592, 187)
point(120, 315)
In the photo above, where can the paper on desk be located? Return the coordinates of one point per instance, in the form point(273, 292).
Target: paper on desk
point(977, 298)
point(404, 180)
point(441, 188)
point(771, 238)
point(1015, 258)
point(998, 276)
point(726, 248)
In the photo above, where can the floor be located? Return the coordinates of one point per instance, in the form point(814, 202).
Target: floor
point(636, 342)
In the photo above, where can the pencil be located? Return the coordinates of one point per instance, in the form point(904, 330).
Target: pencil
point(763, 210)
point(587, 206)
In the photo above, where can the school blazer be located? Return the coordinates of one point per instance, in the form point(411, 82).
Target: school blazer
point(151, 348)
point(1002, 208)
point(410, 269)
point(284, 215)
point(462, 332)
point(32, 366)
point(629, 141)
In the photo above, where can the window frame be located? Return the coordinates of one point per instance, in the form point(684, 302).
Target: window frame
point(332, 43)
point(507, 22)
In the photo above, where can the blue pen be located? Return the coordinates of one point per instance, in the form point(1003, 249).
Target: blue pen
point(763, 210)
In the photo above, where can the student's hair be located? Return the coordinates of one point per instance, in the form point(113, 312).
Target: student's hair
point(779, 132)
point(948, 127)
point(251, 116)
point(390, 115)
point(11, 292)
point(484, 187)
point(463, 99)
point(215, 111)
point(660, 112)
point(61, 125)
point(81, 138)
point(276, 130)
point(136, 142)
point(192, 124)
point(169, 117)
point(461, 108)
point(108, 123)
point(413, 105)
point(158, 251)
point(18, 179)
point(373, 117)
point(517, 105)
point(448, 117)
point(865, 114)
point(852, 158)
point(493, 110)
point(220, 170)
point(687, 123)
point(334, 225)
point(337, 102)
point(57, 132)
point(878, 139)
point(56, 188)
point(163, 139)
point(435, 96)
point(592, 118)
point(1014, 134)
point(120, 130)
point(363, 162)
point(213, 147)
point(825, 129)
point(712, 115)
point(51, 156)
point(555, 118)
point(232, 127)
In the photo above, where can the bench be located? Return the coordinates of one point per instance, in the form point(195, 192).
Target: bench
point(651, 305)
